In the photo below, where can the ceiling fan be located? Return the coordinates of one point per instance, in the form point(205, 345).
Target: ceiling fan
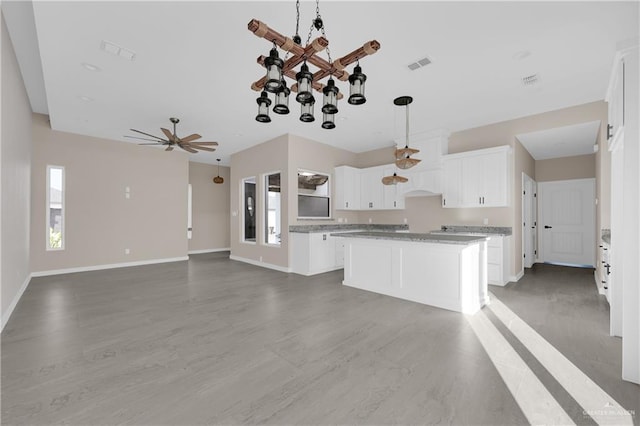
point(187, 143)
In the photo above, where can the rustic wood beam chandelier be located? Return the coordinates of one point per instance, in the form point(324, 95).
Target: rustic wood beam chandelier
point(305, 81)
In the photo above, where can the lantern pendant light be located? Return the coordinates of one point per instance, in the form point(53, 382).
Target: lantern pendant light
point(274, 64)
point(356, 88)
point(403, 155)
point(330, 98)
point(218, 179)
point(306, 111)
point(282, 100)
point(328, 121)
point(263, 108)
point(305, 80)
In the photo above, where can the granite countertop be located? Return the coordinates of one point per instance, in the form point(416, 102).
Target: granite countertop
point(415, 237)
point(479, 230)
point(307, 229)
point(606, 236)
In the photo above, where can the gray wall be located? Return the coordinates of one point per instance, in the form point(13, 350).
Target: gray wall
point(15, 158)
point(210, 214)
point(100, 222)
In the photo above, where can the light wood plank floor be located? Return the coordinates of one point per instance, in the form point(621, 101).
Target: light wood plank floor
point(214, 341)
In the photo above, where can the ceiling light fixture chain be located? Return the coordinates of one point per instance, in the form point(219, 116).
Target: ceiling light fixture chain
point(296, 38)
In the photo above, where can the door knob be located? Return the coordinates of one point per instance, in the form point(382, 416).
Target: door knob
point(548, 227)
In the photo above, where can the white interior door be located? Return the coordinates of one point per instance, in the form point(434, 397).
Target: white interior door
point(528, 221)
point(567, 222)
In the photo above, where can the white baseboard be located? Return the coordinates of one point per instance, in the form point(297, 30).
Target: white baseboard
point(516, 278)
point(258, 263)
point(7, 314)
point(108, 266)
point(209, 250)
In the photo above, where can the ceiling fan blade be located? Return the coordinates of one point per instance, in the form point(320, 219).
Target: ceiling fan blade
point(156, 144)
point(169, 148)
point(190, 138)
point(203, 148)
point(155, 137)
point(188, 148)
point(203, 143)
point(168, 134)
point(142, 139)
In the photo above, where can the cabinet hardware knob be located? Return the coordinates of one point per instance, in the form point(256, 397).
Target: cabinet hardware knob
point(609, 129)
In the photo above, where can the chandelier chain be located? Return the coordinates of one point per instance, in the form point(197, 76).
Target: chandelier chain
point(297, 17)
point(322, 30)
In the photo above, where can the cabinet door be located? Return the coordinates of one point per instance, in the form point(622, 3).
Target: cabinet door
point(347, 188)
point(393, 195)
point(494, 180)
point(322, 252)
point(471, 181)
point(616, 101)
point(451, 188)
point(339, 249)
point(371, 188)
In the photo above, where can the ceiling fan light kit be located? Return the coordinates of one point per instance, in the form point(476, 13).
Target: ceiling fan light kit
point(277, 69)
point(187, 143)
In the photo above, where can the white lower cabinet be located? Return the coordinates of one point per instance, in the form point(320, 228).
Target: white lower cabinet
point(498, 259)
point(315, 252)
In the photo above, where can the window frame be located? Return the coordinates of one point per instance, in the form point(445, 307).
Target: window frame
point(47, 209)
point(265, 210)
point(243, 207)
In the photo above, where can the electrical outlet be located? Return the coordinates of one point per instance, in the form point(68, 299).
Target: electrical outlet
point(127, 251)
point(370, 221)
point(404, 220)
point(485, 221)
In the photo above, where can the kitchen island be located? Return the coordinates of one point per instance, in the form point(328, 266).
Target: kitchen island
point(446, 271)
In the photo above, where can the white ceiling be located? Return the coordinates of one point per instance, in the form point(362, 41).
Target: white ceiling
point(197, 60)
point(563, 141)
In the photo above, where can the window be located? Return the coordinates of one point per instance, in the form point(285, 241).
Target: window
point(55, 208)
point(249, 209)
point(272, 209)
point(314, 201)
point(189, 211)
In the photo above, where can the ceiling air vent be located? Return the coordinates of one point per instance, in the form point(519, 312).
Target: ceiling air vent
point(530, 80)
point(419, 63)
point(114, 49)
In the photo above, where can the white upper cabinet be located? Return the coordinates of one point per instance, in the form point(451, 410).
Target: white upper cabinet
point(477, 178)
point(392, 195)
point(616, 101)
point(347, 188)
point(371, 188)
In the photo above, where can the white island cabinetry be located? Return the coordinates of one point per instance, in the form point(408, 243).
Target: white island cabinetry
point(446, 271)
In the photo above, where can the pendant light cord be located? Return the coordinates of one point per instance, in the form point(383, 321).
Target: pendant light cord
point(406, 140)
